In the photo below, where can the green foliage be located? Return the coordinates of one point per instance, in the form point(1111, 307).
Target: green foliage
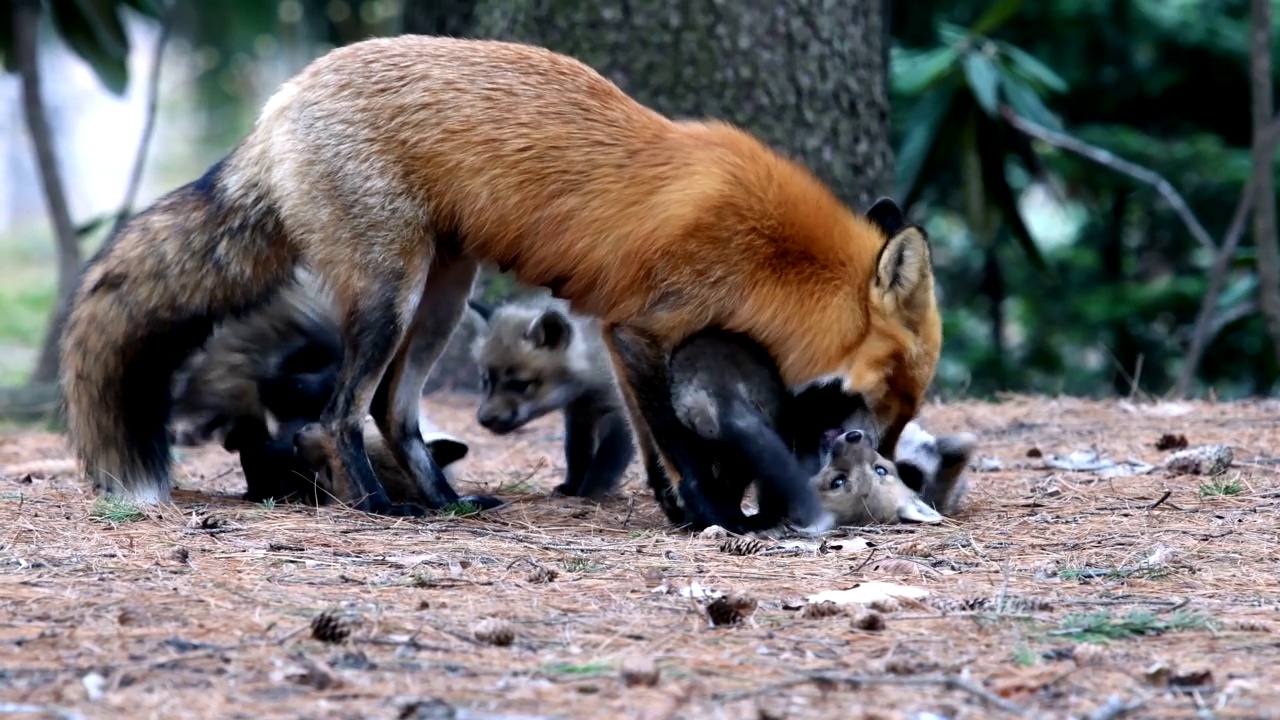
point(955, 92)
point(460, 509)
point(1221, 487)
point(1024, 656)
point(1103, 626)
point(115, 511)
point(1162, 83)
point(93, 29)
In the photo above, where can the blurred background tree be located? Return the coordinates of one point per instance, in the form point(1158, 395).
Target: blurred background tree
point(1056, 274)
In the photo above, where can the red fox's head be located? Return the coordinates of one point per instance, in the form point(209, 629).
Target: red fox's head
point(891, 359)
point(899, 355)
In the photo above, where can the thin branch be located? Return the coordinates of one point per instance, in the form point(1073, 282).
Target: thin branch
point(1118, 164)
point(1201, 334)
point(148, 126)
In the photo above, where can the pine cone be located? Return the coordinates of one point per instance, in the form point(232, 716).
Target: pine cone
point(741, 546)
point(330, 627)
point(868, 620)
point(495, 632)
point(639, 672)
point(541, 575)
point(814, 611)
point(730, 609)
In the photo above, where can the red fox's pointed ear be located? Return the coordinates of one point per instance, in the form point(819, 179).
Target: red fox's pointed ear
point(903, 270)
point(549, 331)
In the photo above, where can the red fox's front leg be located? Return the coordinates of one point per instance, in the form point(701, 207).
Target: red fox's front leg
point(642, 366)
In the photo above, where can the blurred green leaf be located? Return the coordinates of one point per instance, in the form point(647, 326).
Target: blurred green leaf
point(922, 126)
point(1029, 67)
point(995, 16)
point(93, 223)
point(1026, 102)
point(995, 184)
point(107, 61)
point(102, 19)
point(1238, 291)
point(914, 72)
point(984, 80)
point(6, 42)
point(150, 8)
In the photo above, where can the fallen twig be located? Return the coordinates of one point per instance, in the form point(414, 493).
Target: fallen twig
point(1158, 503)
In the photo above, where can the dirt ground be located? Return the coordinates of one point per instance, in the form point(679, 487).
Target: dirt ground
point(1055, 593)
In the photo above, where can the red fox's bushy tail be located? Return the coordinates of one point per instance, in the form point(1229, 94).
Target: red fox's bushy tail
point(151, 296)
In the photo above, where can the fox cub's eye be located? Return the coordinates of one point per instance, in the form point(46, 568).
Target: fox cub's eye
point(838, 482)
point(519, 386)
point(881, 470)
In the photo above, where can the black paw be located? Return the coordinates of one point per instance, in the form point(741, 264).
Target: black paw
point(484, 502)
point(565, 489)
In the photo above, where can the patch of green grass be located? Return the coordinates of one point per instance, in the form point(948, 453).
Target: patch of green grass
point(591, 669)
point(581, 565)
point(1221, 487)
point(460, 509)
point(11, 496)
point(268, 505)
point(520, 486)
point(114, 510)
point(1024, 656)
point(26, 311)
point(1103, 626)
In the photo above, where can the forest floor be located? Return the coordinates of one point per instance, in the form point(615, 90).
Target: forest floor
point(1055, 593)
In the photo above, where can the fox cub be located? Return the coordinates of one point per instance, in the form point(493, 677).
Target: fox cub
point(860, 486)
point(538, 357)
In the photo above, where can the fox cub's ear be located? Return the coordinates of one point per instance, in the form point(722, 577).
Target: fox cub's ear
point(955, 450)
point(903, 270)
point(549, 331)
point(887, 216)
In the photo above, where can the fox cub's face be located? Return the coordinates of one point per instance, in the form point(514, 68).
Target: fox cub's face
point(895, 363)
point(525, 367)
point(859, 486)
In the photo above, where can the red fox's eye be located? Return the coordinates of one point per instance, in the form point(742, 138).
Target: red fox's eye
point(518, 386)
point(881, 470)
point(838, 481)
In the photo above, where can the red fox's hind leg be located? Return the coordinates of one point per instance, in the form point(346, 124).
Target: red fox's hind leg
point(397, 403)
point(377, 315)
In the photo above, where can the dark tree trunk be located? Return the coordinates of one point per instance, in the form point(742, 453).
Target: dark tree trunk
point(1265, 235)
point(452, 18)
point(26, 27)
point(809, 77)
point(806, 76)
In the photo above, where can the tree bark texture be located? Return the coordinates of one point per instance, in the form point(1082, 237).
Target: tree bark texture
point(26, 26)
point(805, 76)
point(1264, 208)
point(451, 18)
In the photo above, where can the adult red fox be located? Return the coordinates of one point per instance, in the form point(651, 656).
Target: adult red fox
point(392, 167)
